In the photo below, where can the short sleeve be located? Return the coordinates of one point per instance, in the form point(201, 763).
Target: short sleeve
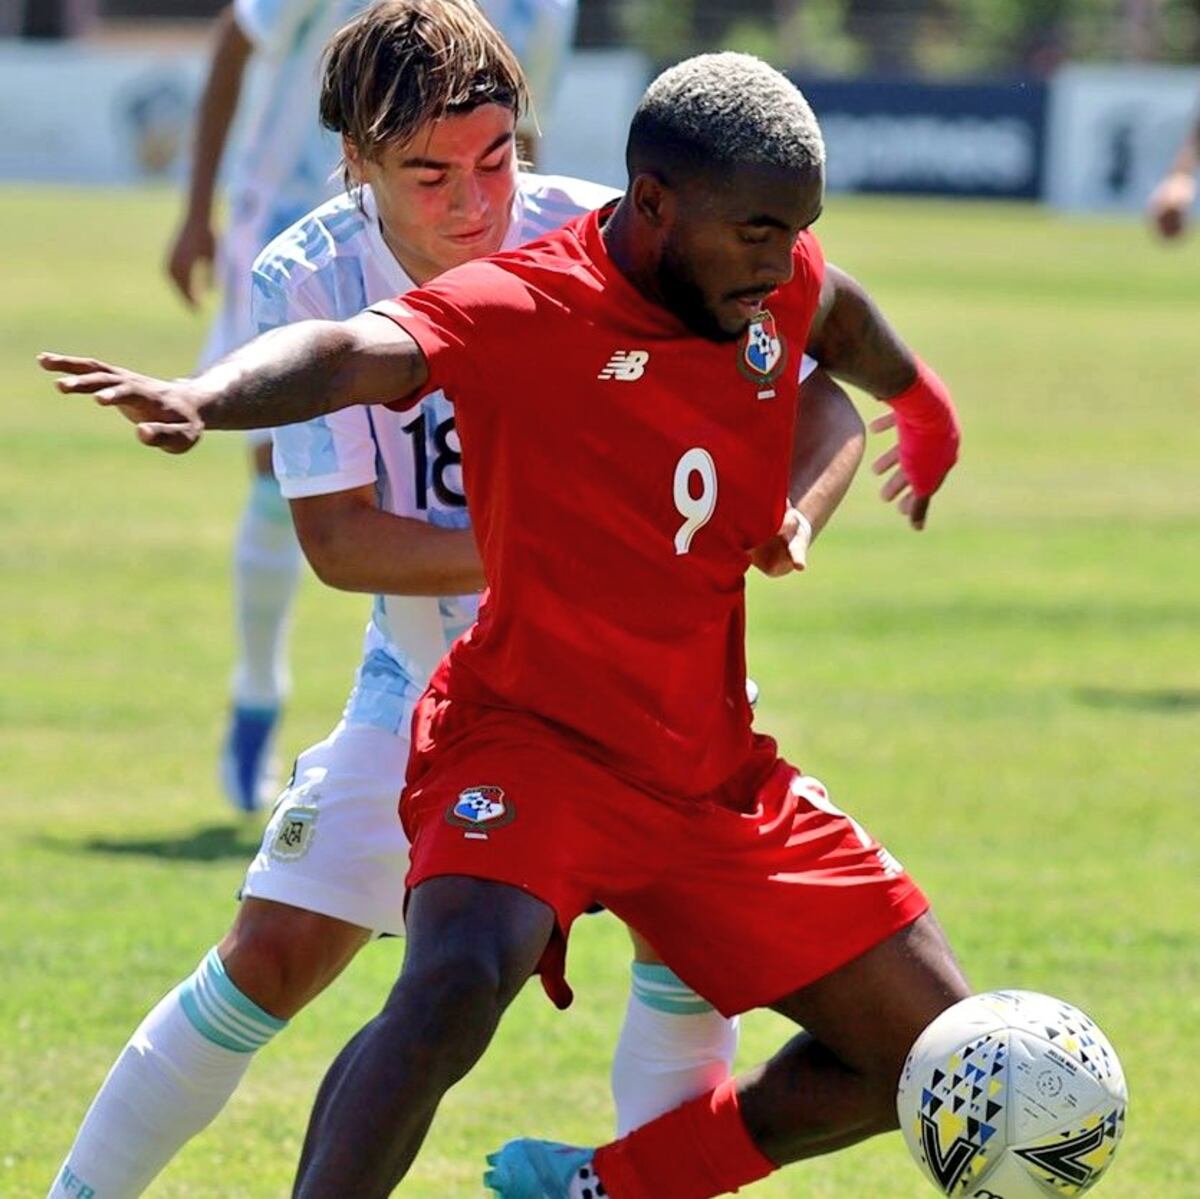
point(466, 323)
point(330, 453)
point(270, 24)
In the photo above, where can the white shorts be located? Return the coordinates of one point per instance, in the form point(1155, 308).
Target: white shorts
point(334, 843)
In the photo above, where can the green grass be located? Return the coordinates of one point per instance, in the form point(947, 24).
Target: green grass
point(1010, 700)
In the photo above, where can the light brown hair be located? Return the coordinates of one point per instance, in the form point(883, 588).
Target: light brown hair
point(403, 63)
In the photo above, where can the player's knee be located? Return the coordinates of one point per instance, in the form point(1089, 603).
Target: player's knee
point(883, 1117)
point(452, 1004)
point(282, 957)
point(461, 985)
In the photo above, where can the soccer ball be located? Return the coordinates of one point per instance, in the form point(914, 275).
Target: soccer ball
point(1012, 1095)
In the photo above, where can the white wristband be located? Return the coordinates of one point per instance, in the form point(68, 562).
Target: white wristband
point(805, 530)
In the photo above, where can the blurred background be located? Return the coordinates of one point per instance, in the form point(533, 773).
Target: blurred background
point(1079, 103)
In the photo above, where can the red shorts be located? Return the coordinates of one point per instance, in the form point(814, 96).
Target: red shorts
point(747, 898)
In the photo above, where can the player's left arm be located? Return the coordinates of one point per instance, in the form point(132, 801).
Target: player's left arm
point(854, 341)
point(290, 374)
point(826, 451)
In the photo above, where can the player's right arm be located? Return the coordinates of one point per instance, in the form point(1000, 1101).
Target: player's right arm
point(328, 470)
point(195, 241)
point(291, 374)
point(354, 545)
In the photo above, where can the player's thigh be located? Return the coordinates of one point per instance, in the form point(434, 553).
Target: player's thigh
point(869, 1011)
point(643, 951)
point(282, 957)
point(489, 934)
point(334, 844)
point(758, 896)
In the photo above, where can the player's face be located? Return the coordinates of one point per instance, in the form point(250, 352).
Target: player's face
point(445, 196)
point(729, 242)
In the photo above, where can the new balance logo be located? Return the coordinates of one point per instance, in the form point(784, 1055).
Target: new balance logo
point(626, 365)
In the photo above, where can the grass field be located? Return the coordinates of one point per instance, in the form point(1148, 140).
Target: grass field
point(1010, 700)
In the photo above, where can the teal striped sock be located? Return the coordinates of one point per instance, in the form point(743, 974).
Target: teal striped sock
point(660, 988)
point(220, 1013)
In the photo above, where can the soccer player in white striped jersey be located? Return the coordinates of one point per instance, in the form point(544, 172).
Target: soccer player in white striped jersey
point(378, 505)
point(285, 167)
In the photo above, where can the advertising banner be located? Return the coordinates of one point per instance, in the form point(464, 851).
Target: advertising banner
point(961, 139)
point(74, 114)
point(1112, 132)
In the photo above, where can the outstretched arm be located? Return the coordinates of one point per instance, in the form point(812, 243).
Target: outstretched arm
point(853, 340)
point(291, 374)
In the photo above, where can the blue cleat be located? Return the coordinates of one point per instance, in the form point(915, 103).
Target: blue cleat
point(528, 1169)
point(246, 755)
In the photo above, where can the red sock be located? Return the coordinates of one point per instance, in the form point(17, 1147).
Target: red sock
point(697, 1151)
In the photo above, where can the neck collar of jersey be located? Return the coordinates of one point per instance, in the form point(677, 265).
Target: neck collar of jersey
point(622, 291)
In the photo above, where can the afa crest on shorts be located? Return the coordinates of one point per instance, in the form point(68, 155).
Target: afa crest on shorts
point(762, 353)
point(293, 823)
point(295, 827)
point(480, 809)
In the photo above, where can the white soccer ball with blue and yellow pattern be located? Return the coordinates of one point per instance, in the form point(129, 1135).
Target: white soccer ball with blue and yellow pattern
point(1012, 1095)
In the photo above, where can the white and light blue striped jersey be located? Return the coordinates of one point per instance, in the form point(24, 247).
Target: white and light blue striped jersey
point(286, 160)
point(331, 265)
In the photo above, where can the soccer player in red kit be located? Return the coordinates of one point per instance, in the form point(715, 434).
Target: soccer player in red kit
point(625, 391)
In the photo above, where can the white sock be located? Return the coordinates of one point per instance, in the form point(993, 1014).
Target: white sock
point(176, 1073)
point(673, 1046)
point(266, 569)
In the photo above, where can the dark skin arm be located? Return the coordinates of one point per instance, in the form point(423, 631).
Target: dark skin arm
point(826, 450)
point(288, 375)
point(852, 339)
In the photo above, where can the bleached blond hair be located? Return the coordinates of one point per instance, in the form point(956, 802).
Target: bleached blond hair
point(718, 111)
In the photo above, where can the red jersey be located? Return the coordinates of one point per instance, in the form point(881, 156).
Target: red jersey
point(619, 470)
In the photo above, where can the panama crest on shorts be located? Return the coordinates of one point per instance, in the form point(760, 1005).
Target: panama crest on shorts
point(762, 353)
point(295, 819)
point(480, 809)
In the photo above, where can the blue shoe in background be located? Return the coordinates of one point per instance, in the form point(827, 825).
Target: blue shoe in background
point(246, 756)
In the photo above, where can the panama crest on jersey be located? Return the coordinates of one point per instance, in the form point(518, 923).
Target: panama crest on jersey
point(762, 353)
point(480, 809)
